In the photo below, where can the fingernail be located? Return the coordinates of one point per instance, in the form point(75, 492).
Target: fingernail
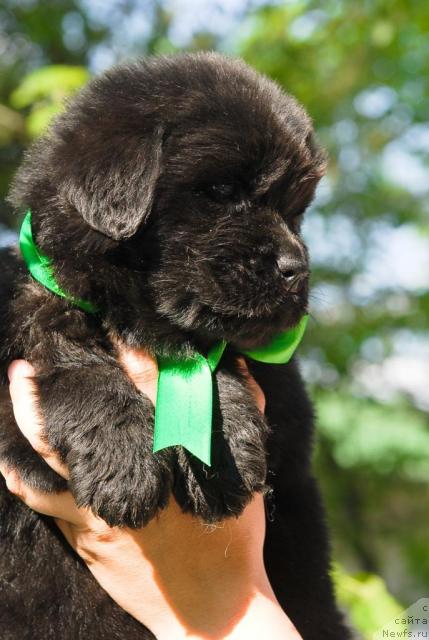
point(20, 369)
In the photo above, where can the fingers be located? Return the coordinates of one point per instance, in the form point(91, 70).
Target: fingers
point(58, 505)
point(254, 387)
point(141, 368)
point(23, 394)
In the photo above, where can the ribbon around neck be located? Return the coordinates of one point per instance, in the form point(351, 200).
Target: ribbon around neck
point(40, 266)
point(184, 404)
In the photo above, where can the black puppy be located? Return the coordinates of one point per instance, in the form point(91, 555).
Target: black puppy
point(170, 196)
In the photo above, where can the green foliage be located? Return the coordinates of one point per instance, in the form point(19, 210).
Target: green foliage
point(362, 70)
point(368, 603)
point(12, 125)
point(45, 91)
point(384, 438)
point(53, 82)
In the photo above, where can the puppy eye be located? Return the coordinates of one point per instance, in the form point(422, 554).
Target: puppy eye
point(222, 190)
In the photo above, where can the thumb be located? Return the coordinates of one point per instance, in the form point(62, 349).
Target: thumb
point(142, 368)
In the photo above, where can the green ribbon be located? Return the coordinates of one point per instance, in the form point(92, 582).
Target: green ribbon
point(40, 266)
point(184, 404)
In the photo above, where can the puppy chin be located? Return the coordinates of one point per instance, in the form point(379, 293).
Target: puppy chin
point(248, 333)
point(259, 333)
point(251, 325)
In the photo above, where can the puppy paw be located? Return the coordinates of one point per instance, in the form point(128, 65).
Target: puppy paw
point(213, 494)
point(120, 479)
point(239, 465)
point(124, 496)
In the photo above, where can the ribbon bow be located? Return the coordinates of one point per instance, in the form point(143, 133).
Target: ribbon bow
point(184, 404)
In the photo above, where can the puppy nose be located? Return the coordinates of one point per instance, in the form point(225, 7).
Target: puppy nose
point(292, 270)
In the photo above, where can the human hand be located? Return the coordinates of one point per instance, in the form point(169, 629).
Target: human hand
point(177, 576)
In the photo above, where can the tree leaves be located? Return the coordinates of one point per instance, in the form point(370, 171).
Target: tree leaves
point(44, 92)
point(367, 601)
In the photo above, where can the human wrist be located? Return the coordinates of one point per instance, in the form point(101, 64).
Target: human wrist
point(209, 600)
point(255, 615)
point(184, 579)
point(238, 604)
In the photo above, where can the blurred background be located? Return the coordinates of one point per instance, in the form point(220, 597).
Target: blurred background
point(362, 71)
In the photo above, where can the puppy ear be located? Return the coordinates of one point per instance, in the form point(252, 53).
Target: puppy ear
point(114, 191)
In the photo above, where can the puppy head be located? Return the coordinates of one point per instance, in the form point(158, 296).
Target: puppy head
point(240, 168)
point(192, 172)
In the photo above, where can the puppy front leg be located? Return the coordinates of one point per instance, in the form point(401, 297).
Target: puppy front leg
point(296, 555)
point(238, 468)
point(296, 551)
point(102, 426)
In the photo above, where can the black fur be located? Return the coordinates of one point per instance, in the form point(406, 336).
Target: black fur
point(169, 194)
